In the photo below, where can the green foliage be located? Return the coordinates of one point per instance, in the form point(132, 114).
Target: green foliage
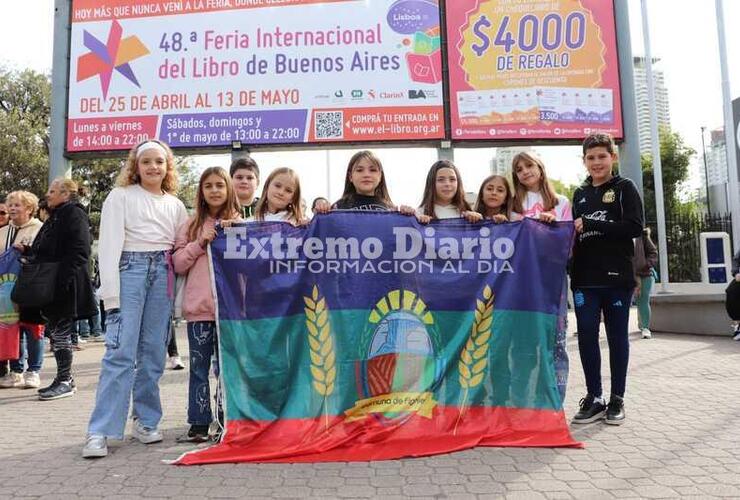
point(566, 190)
point(98, 176)
point(675, 158)
point(684, 220)
point(189, 179)
point(25, 98)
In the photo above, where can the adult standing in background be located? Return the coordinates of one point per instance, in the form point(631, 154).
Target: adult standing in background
point(4, 366)
point(20, 233)
point(4, 218)
point(644, 261)
point(65, 238)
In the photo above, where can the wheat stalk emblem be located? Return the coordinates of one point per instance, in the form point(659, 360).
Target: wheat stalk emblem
point(323, 358)
point(474, 356)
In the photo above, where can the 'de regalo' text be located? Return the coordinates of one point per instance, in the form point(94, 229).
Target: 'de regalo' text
point(413, 251)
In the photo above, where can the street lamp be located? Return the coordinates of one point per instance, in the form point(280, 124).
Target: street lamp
point(706, 170)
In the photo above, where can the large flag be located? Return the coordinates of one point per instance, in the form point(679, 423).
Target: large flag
point(9, 337)
point(367, 336)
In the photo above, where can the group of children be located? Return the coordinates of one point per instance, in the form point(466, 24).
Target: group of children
point(146, 237)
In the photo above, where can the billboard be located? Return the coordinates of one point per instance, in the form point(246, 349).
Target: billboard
point(206, 73)
point(532, 69)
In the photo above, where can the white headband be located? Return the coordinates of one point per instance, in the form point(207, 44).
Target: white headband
point(150, 145)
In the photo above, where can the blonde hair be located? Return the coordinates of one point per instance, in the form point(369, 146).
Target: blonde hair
point(28, 200)
point(549, 198)
point(130, 175)
point(293, 208)
point(67, 185)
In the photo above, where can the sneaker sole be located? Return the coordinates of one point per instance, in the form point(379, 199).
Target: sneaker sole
point(613, 422)
point(149, 440)
point(595, 418)
point(94, 453)
point(59, 396)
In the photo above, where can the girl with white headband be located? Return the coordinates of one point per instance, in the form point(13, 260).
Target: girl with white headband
point(137, 232)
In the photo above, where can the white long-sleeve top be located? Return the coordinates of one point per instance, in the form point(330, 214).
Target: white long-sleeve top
point(134, 220)
point(442, 211)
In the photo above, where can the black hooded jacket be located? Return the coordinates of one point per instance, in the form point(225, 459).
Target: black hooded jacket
point(65, 238)
point(612, 216)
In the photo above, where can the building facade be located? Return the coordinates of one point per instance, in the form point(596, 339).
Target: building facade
point(643, 103)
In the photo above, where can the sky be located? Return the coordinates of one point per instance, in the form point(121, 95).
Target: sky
point(683, 35)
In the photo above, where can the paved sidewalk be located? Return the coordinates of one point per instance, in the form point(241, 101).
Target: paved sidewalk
point(681, 439)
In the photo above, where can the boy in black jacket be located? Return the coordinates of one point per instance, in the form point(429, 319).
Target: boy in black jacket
point(607, 213)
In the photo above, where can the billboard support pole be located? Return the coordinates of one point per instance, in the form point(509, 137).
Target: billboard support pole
point(655, 152)
point(629, 151)
point(59, 165)
point(732, 176)
point(238, 151)
point(445, 151)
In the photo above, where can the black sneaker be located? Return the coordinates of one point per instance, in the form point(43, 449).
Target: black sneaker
point(54, 384)
point(57, 390)
point(615, 411)
point(591, 410)
point(196, 434)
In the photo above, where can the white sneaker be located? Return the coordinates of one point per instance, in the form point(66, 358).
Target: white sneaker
point(736, 335)
point(11, 380)
point(176, 363)
point(95, 447)
point(146, 435)
point(646, 333)
point(31, 380)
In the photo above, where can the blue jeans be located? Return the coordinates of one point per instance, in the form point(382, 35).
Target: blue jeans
point(87, 326)
point(32, 350)
point(136, 344)
point(615, 303)
point(202, 344)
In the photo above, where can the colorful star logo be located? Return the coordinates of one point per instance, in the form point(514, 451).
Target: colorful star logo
point(104, 58)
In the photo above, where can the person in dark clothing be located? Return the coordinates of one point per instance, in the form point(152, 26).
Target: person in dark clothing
point(732, 295)
point(65, 238)
point(364, 187)
point(644, 262)
point(245, 174)
point(607, 213)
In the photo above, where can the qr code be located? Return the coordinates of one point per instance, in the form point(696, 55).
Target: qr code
point(329, 124)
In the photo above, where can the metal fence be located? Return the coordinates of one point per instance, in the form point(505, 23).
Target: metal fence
point(682, 232)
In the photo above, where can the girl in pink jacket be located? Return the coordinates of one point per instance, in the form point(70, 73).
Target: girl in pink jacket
point(216, 201)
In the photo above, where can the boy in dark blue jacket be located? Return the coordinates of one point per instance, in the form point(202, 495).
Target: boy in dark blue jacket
point(607, 213)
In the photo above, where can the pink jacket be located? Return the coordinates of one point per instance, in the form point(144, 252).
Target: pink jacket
point(192, 260)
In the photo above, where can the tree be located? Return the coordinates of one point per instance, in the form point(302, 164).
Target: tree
point(566, 190)
point(25, 98)
point(189, 180)
point(683, 219)
point(675, 157)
